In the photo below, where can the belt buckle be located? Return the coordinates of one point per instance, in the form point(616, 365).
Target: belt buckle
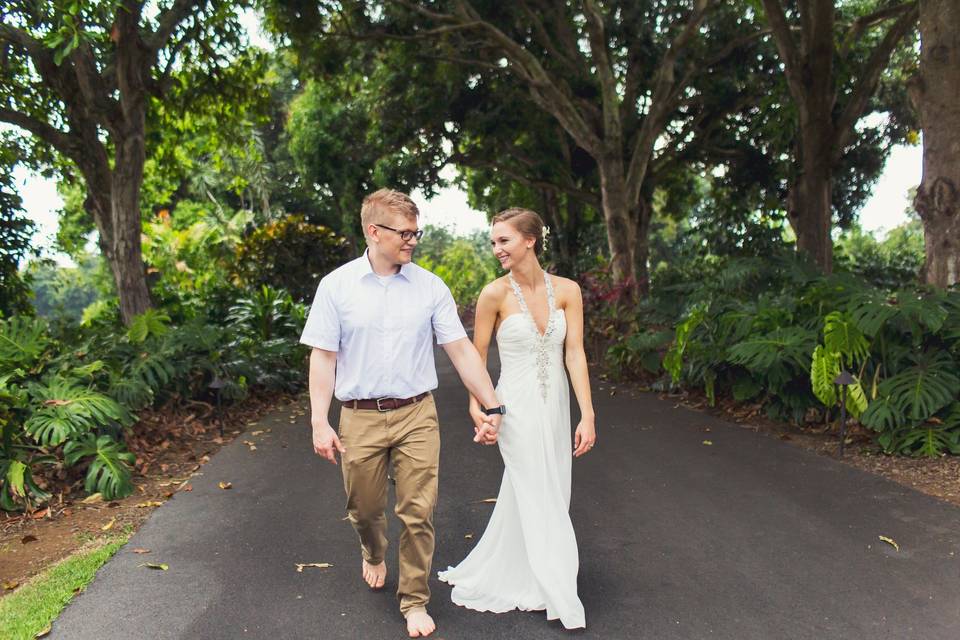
point(381, 409)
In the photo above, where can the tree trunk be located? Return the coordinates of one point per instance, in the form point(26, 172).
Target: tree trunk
point(642, 215)
point(621, 230)
point(935, 97)
point(557, 240)
point(125, 256)
point(809, 205)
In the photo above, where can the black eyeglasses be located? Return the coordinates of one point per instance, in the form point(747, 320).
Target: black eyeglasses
point(406, 236)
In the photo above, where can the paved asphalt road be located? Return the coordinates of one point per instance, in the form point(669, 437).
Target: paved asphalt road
point(750, 538)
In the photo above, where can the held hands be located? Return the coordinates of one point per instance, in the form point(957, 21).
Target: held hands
point(485, 427)
point(326, 442)
point(584, 437)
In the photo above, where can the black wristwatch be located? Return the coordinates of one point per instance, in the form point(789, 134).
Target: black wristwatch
point(502, 410)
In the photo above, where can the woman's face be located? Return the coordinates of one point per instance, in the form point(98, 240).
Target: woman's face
point(509, 245)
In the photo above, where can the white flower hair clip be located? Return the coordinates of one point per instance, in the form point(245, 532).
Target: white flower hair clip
point(545, 234)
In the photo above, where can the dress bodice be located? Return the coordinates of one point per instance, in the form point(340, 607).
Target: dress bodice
point(523, 349)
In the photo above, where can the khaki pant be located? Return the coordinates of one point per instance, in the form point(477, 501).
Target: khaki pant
point(411, 437)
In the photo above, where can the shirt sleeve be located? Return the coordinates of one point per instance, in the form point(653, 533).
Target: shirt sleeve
point(322, 329)
point(446, 321)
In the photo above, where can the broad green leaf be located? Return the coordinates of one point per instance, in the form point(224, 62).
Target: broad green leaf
point(823, 371)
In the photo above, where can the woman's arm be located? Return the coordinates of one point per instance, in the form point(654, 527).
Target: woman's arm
point(576, 360)
point(485, 319)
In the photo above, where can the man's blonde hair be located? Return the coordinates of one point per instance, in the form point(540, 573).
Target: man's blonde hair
point(381, 203)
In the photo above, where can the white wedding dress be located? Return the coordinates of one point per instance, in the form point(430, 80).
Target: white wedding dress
point(527, 558)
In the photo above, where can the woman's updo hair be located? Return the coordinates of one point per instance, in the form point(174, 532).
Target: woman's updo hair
point(527, 222)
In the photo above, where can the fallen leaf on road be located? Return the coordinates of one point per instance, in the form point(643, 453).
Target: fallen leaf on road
point(890, 541)
point(40, 514)
point(318, 565)
point(149, 503)
point(45, 631)
point(486, 501)
point(257, 432)
point(140, 551)
point(248, 443)
point(253, 447)
point(10, 585)
point(708, 442)
point(469, 536)
point(92, 498)
point(28, 539)
point(155, 565)
point(186, 487)
point(225, 485)
point(109, 525)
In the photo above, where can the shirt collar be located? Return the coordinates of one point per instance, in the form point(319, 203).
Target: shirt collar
point(364, 268)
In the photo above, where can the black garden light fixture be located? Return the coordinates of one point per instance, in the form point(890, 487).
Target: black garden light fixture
point(845, 379)
point(217, 385)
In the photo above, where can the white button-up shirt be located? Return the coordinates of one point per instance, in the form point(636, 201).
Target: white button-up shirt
point(382, 328)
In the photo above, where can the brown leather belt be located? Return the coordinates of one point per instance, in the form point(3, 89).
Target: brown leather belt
point(385, 404)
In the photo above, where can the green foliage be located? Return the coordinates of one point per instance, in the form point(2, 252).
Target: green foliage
point(68, 392)
point(776, 333)
point(63, 293)
point(109, 470)
point(892, 263)
point(15, 234)
point(22, 341)
point(290, 254)
point(639, 352)
point(466, 266)
point(63, 409)
point(149, 323)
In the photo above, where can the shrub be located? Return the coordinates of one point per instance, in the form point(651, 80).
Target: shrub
point(290, 254)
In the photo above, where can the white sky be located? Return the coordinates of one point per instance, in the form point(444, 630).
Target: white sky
point(884, 210)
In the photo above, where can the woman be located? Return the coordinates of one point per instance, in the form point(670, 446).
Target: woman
point(527, 558)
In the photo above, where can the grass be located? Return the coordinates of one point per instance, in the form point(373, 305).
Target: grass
point(32, 608)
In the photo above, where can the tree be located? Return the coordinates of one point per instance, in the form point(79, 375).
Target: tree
point(15, 233)
point(828, 103)
point(934, 92)
point(83, 78)
point(616, 77)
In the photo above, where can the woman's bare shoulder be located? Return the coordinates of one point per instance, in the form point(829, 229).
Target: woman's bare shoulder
point(566, 288)
point(495, 290)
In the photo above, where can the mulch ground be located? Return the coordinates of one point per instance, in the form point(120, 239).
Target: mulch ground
point(171, 444)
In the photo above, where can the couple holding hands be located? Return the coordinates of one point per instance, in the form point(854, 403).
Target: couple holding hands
point(372, 327)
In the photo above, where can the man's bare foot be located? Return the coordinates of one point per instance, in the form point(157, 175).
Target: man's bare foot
point(375, 574)
point(419, 623)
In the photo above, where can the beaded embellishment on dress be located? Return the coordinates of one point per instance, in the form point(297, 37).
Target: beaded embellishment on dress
point(541, 341)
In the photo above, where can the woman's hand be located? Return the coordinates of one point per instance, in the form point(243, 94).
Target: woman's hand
point(584, 437)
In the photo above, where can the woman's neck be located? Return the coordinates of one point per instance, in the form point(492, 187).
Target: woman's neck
point(529, 274)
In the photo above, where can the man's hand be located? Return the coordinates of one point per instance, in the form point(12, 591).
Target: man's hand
point(326, 442)
point(488, 430)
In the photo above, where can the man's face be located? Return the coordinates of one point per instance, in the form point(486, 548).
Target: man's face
point(391, 244)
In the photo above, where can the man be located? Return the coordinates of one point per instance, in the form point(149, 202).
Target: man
point(371, 327)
